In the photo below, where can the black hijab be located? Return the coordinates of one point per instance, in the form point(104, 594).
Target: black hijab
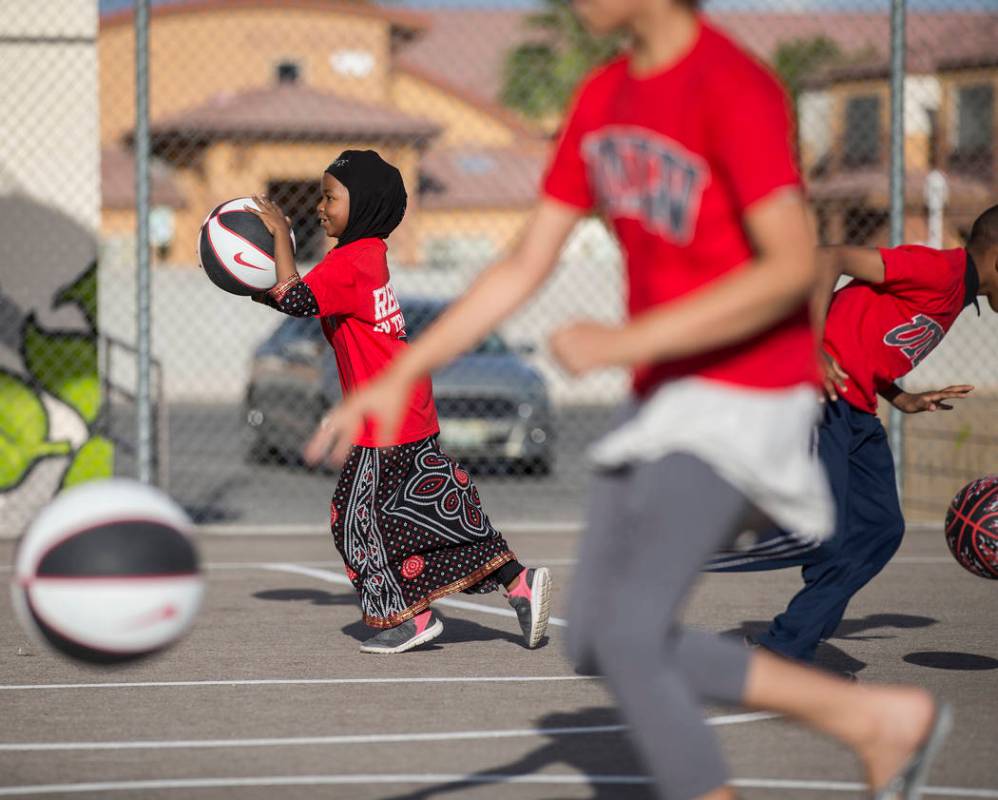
point(377, 194)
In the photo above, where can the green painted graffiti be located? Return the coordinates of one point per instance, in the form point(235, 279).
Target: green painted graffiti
point(64, 365)
point(24, 430)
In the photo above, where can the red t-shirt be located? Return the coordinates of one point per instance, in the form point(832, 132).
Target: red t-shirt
point(362, 321)
point(880, 332)
point(673, 160)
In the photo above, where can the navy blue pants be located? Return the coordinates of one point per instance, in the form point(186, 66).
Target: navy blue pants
point(869, 526)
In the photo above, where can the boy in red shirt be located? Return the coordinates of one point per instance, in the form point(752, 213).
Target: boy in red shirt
point(406, 518)
point(684, 145)
point(879, 327)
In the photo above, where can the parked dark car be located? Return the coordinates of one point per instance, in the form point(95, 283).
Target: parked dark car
point(493, 406)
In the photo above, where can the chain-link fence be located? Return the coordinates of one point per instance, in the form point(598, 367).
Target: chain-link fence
point(258, 96)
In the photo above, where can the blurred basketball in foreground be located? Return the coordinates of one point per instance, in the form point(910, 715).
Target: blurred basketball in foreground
point(236, 250)
point(108, 572)
point(972, 527)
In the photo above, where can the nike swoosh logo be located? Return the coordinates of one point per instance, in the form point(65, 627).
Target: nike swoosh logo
point(154, 617)
point(238, 258)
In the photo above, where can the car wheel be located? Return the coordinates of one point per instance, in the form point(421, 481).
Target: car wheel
point(539, 466)
point(262, 453)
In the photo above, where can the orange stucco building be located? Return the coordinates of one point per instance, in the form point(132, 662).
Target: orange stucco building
point(251, 96)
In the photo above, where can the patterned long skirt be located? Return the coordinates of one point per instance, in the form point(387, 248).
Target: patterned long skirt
point(410, 527)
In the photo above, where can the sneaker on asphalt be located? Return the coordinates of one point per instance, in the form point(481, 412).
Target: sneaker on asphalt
point(530, 598)
point(421, 629)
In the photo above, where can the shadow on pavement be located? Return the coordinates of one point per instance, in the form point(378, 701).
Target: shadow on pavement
point(593, 754)
point(455, 630)
point(315, 597)
point(832, 658)
point(940, 659)
point(851, 628)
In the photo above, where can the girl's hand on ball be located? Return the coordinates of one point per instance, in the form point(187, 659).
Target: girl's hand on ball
point(270, 215)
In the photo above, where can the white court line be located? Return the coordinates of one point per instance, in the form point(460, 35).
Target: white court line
point(226, 565)
point(360, 738)
point(334, 577)
point(516, 528)
point(544, 562)
point(296, 682)
point(322, 529)
point(842, 786)
point(431, 778)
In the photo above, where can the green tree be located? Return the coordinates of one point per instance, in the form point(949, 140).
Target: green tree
point(799, 59)
point(540, 75)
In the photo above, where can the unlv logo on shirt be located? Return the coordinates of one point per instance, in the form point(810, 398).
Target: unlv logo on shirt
point(642, 175)
point(916, 338)
point(387, 314)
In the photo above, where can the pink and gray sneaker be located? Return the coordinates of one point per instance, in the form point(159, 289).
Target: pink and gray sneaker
point(530, 598)
point(421, 629)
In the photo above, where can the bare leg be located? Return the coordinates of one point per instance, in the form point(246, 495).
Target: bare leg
point(884, 725)
point(720, 794)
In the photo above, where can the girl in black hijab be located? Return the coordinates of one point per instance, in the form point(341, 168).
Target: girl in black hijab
point(377, 195)
point(405, 517)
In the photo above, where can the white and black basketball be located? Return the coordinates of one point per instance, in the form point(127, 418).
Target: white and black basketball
point(236, 249)
point(108, 572)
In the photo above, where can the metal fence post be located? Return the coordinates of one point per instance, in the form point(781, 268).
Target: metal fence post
point(895, 421)
point(143, 393)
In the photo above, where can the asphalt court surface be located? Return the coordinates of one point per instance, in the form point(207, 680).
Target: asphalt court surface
point(269, 696)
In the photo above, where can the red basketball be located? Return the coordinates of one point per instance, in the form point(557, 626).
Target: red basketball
point(972, 527)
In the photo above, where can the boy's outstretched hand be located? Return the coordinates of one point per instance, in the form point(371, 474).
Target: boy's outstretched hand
point(911, 403)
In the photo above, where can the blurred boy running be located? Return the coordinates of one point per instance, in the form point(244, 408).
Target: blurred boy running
point(683, 144)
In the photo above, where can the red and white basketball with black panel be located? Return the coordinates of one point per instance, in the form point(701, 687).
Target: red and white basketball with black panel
point(108, 572)
point(972, 527)
point(236, 250)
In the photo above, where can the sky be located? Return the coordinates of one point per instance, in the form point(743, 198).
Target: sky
point(718, 5)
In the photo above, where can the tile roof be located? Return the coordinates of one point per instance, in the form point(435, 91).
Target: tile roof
point(466, 48)
point(464, 177)
point(872, 187)
point(117, 167)
point(400, 18)
point(292, 111)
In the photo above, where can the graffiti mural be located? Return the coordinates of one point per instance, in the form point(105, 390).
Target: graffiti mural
point(51, 402)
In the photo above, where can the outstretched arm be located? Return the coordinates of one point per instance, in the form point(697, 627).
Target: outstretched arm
point(862, 263)
point(728, 310)
point(497, 292)
point(913, 403)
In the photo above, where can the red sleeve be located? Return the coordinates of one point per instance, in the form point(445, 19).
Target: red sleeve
point(752, 135)
point(567, 179)
point(333, 282)
point(920, 273)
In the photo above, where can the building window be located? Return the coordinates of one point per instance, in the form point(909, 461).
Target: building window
point(352, 63)
point(288, 72)
point(974, 126)
point(862, 134)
